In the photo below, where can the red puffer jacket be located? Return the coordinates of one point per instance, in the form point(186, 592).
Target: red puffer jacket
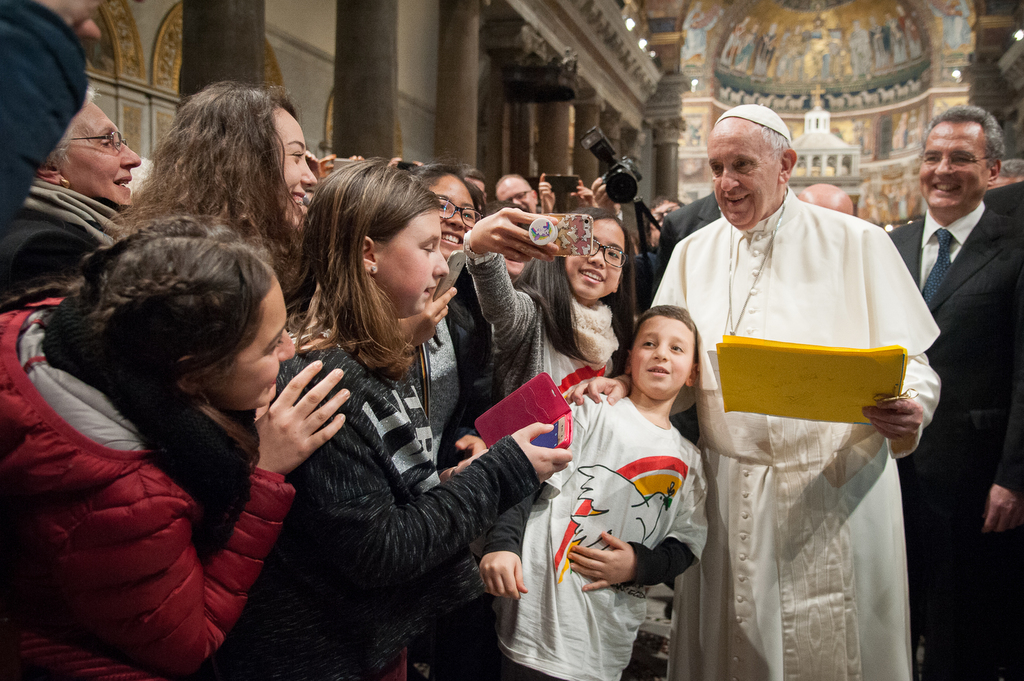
point(104, 553)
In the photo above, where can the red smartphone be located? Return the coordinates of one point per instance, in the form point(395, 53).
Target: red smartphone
point(538, 400)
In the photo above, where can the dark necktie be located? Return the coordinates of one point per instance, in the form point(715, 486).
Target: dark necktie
point(941, 265)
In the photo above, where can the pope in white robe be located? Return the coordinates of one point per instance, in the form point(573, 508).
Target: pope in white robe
point(804, 573)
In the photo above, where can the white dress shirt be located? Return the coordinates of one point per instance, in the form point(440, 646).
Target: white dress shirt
point(960, 229)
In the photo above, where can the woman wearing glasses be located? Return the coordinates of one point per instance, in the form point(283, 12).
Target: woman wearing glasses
point(76, 193)
point(571, 318)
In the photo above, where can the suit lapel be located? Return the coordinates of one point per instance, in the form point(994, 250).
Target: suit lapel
point(981, 246)
point(908, 243)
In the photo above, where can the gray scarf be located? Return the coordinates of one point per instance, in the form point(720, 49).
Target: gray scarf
point(71, 207)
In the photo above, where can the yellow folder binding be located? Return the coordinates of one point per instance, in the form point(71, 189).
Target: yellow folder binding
point(807, 381)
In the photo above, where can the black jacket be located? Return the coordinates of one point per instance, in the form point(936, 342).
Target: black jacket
point(373, 549)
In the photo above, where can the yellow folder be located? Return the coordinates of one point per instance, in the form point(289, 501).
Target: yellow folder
point(807, 381)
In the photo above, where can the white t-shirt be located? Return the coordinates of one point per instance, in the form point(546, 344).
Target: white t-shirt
point(630, 478)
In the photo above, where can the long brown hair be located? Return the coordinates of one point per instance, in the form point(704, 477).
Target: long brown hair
point(337, 304)
point(222, 159)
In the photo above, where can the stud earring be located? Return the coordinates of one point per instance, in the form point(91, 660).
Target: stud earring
point(373, 269)
point(64, 183)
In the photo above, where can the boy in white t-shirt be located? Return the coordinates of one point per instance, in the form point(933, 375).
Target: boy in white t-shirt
point(627, 513)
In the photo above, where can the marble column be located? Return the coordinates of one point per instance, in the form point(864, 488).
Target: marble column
point(584, 163)
point(496, 148)
point(221, 40)
point(553, 138)
point(457, 80)
point(365, 78)
point(666, 157)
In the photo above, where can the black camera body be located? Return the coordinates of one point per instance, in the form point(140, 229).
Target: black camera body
point(623, 176)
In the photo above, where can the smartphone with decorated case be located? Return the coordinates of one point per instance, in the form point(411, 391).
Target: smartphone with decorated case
point(572, 232)
point(456, 261)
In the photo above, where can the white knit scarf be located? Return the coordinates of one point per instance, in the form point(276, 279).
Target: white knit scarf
point(594, 334)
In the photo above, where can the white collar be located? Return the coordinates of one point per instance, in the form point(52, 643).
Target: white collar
point(960, 228)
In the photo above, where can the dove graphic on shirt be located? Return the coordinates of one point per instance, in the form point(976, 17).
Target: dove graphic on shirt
point(627, 503)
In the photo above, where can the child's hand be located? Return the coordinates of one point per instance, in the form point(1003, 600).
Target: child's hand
point(420, 327)
point(502, 572)
point(546, 462)
point(615, 565)
point(294, 428)
point(615, 388)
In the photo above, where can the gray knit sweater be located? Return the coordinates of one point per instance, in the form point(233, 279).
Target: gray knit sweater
point(518, 338)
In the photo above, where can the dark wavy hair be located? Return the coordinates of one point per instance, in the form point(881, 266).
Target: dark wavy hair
point(548, 285)
point(222, 158)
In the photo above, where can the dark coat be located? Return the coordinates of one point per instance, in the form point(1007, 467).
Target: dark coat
point(680, 224)
point(43, 71)
point(1007, 200)
point(977, 434)
point(36, 244)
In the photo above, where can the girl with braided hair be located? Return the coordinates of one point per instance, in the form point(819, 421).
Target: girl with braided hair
point(141, 495)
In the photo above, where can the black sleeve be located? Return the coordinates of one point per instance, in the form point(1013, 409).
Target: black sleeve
point(507, 532)
point(663, 563)
point(43, 67)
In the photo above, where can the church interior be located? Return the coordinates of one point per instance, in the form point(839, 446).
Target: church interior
point(856, 81)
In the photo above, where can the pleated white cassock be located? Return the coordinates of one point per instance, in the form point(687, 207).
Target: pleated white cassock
point(804, 572)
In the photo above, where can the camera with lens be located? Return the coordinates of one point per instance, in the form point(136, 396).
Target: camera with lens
point(621, 180)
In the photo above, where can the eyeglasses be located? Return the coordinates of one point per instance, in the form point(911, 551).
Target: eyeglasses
point(520, 196)
point(115, 139)
point(957, 159)
point(449, 209)
point(614, 256)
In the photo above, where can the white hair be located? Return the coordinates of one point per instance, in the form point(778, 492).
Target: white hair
point(59, 156)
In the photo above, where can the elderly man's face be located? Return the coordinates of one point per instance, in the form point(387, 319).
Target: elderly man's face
point(94, 167)
point(954, 171)
point(750, 178)
point(518, 192)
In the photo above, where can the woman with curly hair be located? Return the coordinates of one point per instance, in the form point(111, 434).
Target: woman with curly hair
point(236, 153)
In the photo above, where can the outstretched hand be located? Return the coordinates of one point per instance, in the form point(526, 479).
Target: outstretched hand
point(292, 428)
point(546, 195)
point(614, 565)
point(546, 461)
point(504, 233)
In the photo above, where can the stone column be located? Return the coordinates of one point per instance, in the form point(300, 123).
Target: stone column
point(366, 78)
point(553, 138)
point(666, 157)
point(520, 137)
point(584, 163)
point(457, 80)
point(221, 40)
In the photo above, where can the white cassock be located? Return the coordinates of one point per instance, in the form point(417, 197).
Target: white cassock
point(804, 572)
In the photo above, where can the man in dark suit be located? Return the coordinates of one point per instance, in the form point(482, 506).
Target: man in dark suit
point(963, 488)
point(680, 224)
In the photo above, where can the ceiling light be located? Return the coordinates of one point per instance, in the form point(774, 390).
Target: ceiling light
point(630, 24)
point(643, 43)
